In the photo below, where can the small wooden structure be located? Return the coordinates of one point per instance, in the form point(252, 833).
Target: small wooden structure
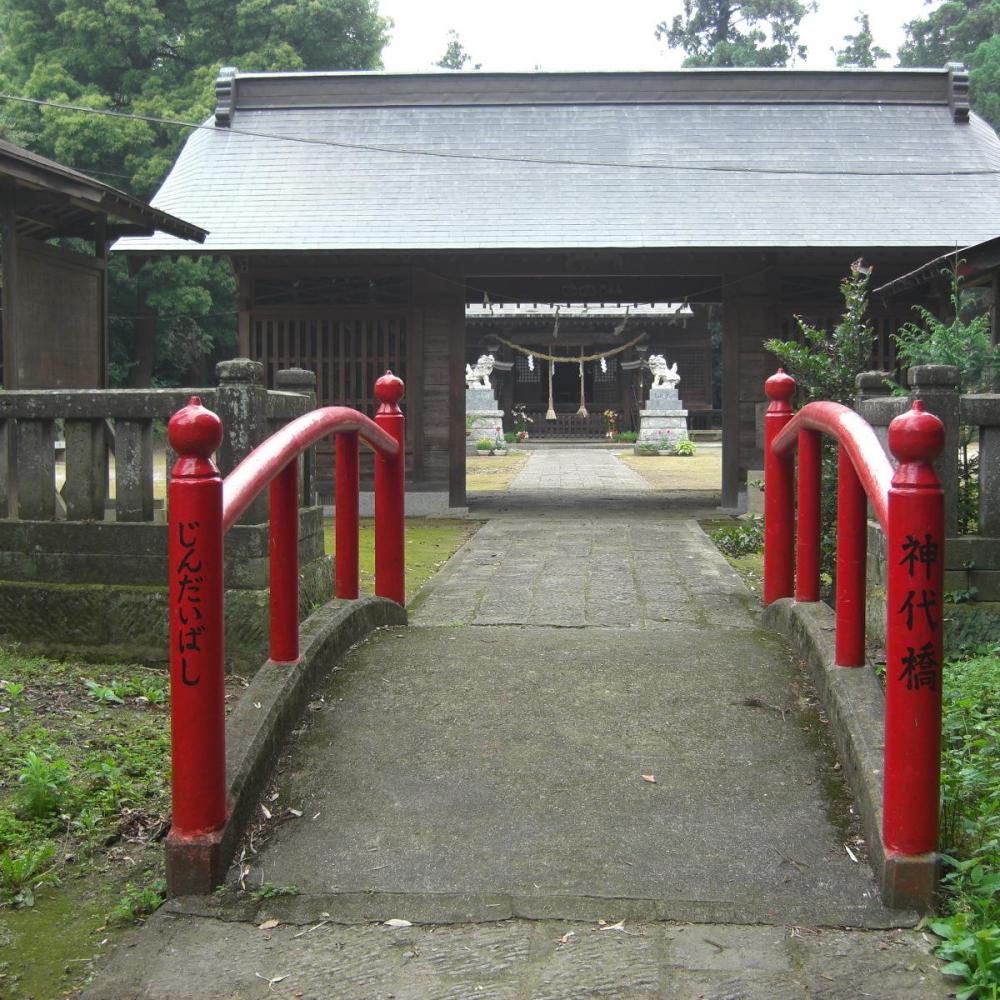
point(54, 299)
point(363, 213)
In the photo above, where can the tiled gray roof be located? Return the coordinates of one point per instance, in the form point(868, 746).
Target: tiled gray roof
point(647, 175)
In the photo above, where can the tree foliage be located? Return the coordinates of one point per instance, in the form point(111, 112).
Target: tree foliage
point(963, 340)
point(738, 32)
point(965, 31)
point(455, 56)
point(159, 59)
point(860, 50)
point(825, 363)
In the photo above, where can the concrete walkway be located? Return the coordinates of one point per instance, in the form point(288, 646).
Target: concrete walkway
point(584, 722)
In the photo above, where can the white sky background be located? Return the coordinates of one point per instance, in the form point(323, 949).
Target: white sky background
point(515, 35)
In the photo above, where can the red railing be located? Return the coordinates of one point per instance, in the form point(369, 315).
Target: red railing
point(201, 508)
point(909, 504)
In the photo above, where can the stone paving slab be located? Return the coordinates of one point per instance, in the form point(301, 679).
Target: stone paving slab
point(507, 762)
point(587, 573)
point(516, 960)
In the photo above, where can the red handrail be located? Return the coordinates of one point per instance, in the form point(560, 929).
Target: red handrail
point(242, 486)
point(855, 435)
point(909, 504)
point(201, 509)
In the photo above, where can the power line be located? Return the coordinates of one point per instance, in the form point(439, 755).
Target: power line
point(497, 158)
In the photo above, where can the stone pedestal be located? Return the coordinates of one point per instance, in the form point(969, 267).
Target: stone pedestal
point(663, 420)
point(483, 419)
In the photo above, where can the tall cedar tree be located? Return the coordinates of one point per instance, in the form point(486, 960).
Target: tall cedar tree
point(455, 56)
point(738, 32)
point(860, 50)
point(159, 58)
point(966, 31)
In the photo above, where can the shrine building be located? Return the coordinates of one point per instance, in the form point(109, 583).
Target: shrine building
point(408, 221)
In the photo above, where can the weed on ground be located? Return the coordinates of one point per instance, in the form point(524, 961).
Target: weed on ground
point(969, 924)
point(84, 804)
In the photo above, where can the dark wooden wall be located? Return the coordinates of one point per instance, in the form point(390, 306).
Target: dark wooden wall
point(54, 319)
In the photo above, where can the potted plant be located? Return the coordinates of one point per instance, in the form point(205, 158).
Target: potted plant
point(521, 420)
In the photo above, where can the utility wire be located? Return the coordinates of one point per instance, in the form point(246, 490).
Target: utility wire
point(498, 158)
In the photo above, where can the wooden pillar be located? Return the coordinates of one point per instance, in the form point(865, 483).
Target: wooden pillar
point(103, 331)
point(749, 317)
point(730, 397)
point(439, 319)
point(8, 252)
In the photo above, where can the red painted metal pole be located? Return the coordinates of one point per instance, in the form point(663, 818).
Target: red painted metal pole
point(852, 551)
point(915, 564)
point(345, 524)
point(390, 494)
point(284, 569)
point(779, 495)
point(197, 706)
point(807, 531)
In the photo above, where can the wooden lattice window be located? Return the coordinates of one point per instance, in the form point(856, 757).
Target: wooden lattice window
point(347, 353)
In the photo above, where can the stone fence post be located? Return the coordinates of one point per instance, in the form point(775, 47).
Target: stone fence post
point(303, 382)
point(241, 404)
point(937, 387)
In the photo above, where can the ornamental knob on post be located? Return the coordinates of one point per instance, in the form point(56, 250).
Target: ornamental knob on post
point(390, 493)
point(196, 645)
point(914, 626)
point(779, 492)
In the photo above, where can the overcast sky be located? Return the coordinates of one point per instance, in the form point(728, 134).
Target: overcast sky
point(568, 34)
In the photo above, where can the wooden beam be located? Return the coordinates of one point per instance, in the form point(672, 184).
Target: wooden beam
point(8, 251)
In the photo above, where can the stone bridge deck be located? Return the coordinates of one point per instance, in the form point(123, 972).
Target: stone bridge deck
point(482, 771)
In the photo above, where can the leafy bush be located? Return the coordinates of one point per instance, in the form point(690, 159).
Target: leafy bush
point(740, 539)
point(970, 825)
point(647, 448)
point(21, 874)
point(683, 449)
point(137, 902)
point(964, 343)
point(484, 444)
point(510, 436)
point(626, 437)
point(43, 784)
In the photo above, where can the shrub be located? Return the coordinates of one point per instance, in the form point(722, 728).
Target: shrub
point(740, 539)
point(683, 449)
point(510, 436)
point(627, 437)
point(43, 784)
point(484, 444)
point(964, 343)
point(647, 448)
point(20, 874)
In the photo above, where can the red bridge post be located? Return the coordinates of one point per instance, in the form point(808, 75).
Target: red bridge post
point(807, 532)
point(197, 704)
point(915, 565)
point(284, 563)
point(390, 493)
point(852, 550)
point(345, 518)
point(779, 495)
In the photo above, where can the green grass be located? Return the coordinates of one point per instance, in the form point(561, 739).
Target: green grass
point(84, 798)
point(430, 542)
point(969, 925)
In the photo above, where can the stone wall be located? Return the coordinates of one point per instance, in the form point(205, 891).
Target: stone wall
point(83, 564)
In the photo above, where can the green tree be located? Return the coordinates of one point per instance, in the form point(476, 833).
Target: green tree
point(965, 31)
point(860, 50)
point(962, 340)
point(738, 32)
point(159, 58)
point(455, 56)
